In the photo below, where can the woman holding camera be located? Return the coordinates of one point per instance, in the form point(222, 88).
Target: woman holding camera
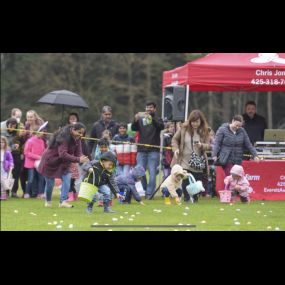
point(190, 141)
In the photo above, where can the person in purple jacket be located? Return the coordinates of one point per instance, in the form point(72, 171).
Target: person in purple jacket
point(64, 148)
point(7, 164)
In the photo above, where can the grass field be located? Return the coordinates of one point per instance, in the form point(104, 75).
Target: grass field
point(208, 215)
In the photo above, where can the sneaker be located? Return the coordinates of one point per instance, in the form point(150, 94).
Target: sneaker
point(26, 196)
point(89, 210)
point(108, 210)
point(65, 204)
point(48, 204)
point(40, 196)
point(70, 197)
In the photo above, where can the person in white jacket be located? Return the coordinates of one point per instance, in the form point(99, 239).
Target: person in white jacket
point(172, 185)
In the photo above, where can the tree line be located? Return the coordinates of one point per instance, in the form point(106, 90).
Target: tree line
point(124, 81)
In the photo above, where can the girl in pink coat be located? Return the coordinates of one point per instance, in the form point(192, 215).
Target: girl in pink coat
point(34, 148)
point(238, 184)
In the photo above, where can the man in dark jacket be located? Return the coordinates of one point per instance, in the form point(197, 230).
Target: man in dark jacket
point(254, 124)
point(149, 128)
point(106, 123)
point(104, 179)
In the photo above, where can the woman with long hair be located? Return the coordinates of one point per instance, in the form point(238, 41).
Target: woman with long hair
point(64, 148)
point(193, 136)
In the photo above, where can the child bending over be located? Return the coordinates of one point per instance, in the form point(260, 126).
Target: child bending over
point(104, 179)
point(127, 184)
point(238, 184)
point(171, 187)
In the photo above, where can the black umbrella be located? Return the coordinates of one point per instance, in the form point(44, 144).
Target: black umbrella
point(64, 98)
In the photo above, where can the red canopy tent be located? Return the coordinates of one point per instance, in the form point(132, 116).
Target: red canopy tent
point(237, 72)
point(231, 72)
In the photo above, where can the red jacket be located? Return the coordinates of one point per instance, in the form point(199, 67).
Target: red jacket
point(56, 161)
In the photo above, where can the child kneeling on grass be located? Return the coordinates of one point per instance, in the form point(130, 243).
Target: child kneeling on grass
point(171, 187)
point(238, 184)
point(127, 184)
point(104, 179)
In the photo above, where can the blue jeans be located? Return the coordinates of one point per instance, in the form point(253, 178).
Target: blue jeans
point(123, 169)
point(34, 176)
point(166, 193)
point(149, 160)
point(64, 187)
point(105, 191)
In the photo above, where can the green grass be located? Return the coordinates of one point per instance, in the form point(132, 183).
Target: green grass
point(33, 216)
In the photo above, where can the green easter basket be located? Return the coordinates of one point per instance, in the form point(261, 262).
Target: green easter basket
point(87, 190)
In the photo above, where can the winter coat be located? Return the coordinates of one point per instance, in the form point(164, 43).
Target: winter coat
point(171, 183)
point(8, 161)
point(231, 146)
point(102, 176)
point(148, 134)
point(97, 130)
point(178, 142)
point(230, 183)
point(34, 148)
point(56, 161)
point(130, 180)
point(126, 153)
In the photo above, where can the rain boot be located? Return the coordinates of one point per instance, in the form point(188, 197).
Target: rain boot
point(70, 197)
point(167, 201)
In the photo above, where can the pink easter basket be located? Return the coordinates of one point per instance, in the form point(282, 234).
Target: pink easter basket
point(225, 195)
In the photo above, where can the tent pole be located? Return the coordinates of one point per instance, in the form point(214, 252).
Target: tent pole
point(62, 110)
point(187, 102)
point(161, 140)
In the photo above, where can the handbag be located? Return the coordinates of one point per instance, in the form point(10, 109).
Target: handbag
point(194, 186)
point(7, 183)
point(197, 162)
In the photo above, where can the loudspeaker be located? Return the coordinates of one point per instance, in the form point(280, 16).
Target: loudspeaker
point(174, 103)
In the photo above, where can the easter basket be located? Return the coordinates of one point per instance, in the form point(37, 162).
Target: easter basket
point(87, 190)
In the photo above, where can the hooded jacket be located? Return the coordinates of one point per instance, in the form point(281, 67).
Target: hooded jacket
point(130, 180)
point(230, 182)
point(171, 182)
point(102, 175)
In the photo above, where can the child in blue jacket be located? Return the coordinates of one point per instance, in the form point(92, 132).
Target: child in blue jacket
point(127, 184)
